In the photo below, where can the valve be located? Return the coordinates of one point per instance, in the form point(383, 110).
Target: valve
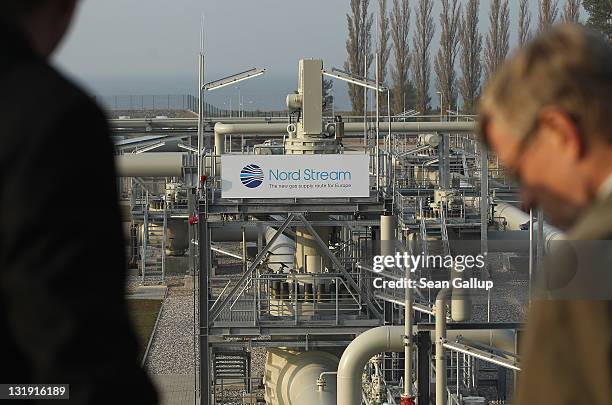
point(321, 384)
point(194, 220)
point(406, 400)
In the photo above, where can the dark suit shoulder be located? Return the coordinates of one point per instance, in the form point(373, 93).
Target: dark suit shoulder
point(37, 102)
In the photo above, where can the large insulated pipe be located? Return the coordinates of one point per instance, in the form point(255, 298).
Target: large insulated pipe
point(440, 335)
point(387, 248)
point(387, 231)
point(515, 217)
point(461, 303)
point(222, 129)
point(391, 339)
point(154, 123)
point(282, 251)
point(501, 339)
point(358, 353)
point(293, 377)
point(244, 125)
point(183, 123)
point(149, 165)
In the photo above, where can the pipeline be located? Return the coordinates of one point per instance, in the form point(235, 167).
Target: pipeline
point(222, 129)
point(515, 218)
point(294, 377)
point(149, 165)
point(358, 353)
point(391, 339)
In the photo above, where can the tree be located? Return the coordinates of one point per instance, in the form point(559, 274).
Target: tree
point(447, 54)
point(548, 14)
point(358, 48)
point(400, 29)
point(498, 39)
point(384, 50)
point(571, 11)
point(328, 98)
point(600, 16)
point(471, 49)
point(524, 23)
point(421, 68)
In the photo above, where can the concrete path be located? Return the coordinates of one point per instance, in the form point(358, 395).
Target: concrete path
point(155, 292)
point(175, 389)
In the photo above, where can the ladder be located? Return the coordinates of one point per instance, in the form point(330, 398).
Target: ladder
point(154, 248)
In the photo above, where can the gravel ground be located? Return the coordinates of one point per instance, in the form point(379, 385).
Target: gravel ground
point(172, 348)
point(509, 296)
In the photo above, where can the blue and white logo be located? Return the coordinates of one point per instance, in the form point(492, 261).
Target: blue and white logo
point(252, 176)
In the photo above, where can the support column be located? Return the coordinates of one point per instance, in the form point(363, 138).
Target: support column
point(484, 219)
point(423, 366)
point(440, 334)
point(387, 248)
point(205, 369)
point(443, 162)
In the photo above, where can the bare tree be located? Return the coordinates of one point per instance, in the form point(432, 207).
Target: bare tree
point(328, 97)
point(421, 68)
point(571, 11)
point(549, 10)
point(359, 49)
point(383, 48)
point(471, 49)
point(447, 54)
point(524, 23)
point(497, 43)
point(400, 28)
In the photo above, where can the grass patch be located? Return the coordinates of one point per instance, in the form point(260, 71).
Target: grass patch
point(143, 314)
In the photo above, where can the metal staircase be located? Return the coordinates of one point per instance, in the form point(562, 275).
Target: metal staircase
point(154, 249)
point(232, 368)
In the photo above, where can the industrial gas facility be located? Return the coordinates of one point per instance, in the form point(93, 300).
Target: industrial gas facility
point(268, 226)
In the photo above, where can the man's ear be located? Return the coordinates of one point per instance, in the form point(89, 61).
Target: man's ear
point(563, 130)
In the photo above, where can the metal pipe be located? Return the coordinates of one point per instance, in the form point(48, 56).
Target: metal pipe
point(408, 340)
point(390, 339)
point(358, 353)
point(502, 339)
point(404, 127)
point(282, 250)
point(440, 314)
point(149, 165)
point(298, 378)
point(515, 218)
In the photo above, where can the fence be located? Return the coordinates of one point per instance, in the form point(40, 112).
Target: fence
point(170, 102)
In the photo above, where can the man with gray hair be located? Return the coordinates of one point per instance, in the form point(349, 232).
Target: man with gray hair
point(547, 115)
point(63, 315)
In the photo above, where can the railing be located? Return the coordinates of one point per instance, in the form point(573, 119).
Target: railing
point(282, 299)
point(167, 104)
point(153, 102)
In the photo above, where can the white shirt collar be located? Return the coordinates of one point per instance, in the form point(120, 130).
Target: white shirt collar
point(605, 190)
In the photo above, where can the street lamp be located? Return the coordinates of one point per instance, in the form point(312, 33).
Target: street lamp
point(441, 107)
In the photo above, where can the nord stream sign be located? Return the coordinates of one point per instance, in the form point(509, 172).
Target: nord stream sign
point(295, 176)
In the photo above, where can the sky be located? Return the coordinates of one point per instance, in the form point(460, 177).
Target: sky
point(142, 47)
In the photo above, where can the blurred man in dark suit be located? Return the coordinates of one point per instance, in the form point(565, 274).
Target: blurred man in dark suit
point(63, 317)
point(547, 115)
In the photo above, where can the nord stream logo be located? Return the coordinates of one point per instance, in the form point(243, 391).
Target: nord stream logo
point(252, 176)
